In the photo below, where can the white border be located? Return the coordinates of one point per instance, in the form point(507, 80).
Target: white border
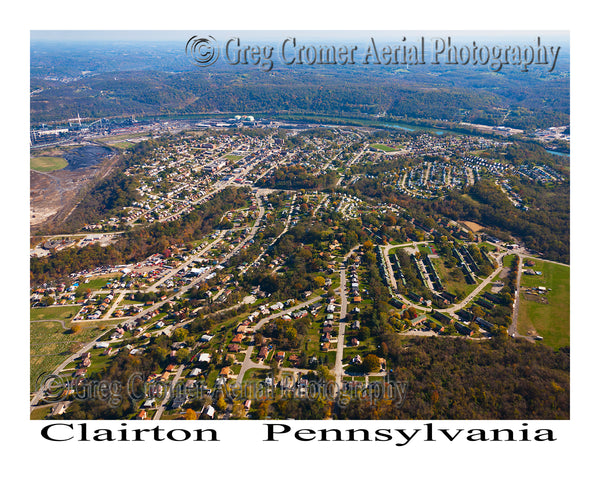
point(244, 454)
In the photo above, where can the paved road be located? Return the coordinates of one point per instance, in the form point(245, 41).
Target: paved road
point(544, 260)
point(338, 369)
point(62, 322)
point(117, 300)
point(37, 396)
point(512, 329)
point(285, 229)
point(466, 300)
point(168, 393)
point(389, 269)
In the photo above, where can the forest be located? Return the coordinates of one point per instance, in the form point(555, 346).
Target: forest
point(156, 87)
point(105, 198)
point(544, 228)
point(459, 379)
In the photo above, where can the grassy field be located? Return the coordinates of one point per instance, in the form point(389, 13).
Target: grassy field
point(47, 164)
point(51, 343)
point(40, 413)
point(550, 320)
point(385, 148)
point(125, 136)
point(233, 157)
point(453, 279)
point(53, 313)
point(124, 145)
point(507, 260)
point(96, 283)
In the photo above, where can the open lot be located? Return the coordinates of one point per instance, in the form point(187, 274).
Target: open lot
point(125, 145)
point(385, 148)
point(546, 315)
point(53, 313)
point(51, 340)
point(453, 278)
point(96, 283)
point(475, 227)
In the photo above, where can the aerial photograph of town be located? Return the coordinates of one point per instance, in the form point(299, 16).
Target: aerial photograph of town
point(247, 225)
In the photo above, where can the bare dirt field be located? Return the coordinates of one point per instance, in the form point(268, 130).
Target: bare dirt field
point(474, 227)
point(53, 195)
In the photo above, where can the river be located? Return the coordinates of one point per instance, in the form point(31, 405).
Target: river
point(553, 152)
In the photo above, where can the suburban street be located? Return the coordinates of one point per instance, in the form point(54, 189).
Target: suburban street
point(168, 393)
point(512, 329)
point(338, 369)
point(248, 363)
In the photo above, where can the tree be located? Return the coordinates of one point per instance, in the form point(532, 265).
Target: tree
point(221, 404)
point(190, 414)
point(291, 333)
point(238, 411)
point(179, 335)
point(383, 349)
point(324, 373)
point(477, 311)
point(47, 300)
point(371, 363)
point(183, 355)
point(364, 333)
point(75, 328)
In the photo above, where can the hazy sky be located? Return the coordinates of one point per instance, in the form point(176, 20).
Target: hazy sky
point(266, 35)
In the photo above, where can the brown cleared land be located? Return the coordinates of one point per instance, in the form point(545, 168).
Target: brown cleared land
point(474, 227)
point(54, 194)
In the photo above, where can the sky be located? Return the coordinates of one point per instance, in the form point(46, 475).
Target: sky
point(342, 35)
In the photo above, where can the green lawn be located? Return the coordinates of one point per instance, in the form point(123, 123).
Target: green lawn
point(53, 313)
point(550, 320)
point(360, 378)
point(99, 361)
point(507, 260)
point(47, 164)
point(96, 283)
point(40, 413)
point(385, 148)
point(453, 278)
point(125, 145)
point(50, 343)
point(255, 374)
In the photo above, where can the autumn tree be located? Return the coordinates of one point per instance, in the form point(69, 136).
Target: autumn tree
point(221, 404)
point(190, 414)
point(179, 335)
